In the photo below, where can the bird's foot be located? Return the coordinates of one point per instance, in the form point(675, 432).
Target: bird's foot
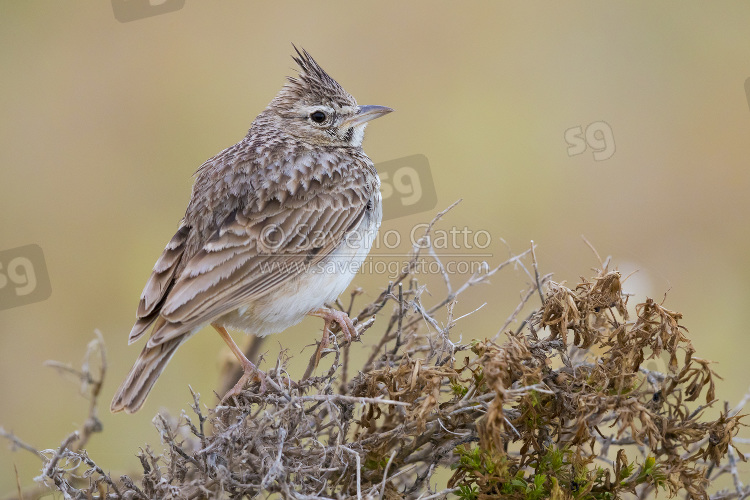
point(331, 316)
point(250, 372)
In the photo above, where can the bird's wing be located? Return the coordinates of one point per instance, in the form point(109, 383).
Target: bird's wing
point(159, 283)
point(255, 251)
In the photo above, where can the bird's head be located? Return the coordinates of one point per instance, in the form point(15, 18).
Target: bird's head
point(315, 109)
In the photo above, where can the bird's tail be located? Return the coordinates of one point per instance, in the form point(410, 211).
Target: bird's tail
point(150, 363)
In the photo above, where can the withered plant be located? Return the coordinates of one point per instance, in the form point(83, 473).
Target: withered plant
point(560, 407)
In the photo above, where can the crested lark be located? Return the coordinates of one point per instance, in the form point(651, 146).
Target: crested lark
point(276, 227)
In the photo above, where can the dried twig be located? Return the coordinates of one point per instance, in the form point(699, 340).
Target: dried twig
point(562, 406)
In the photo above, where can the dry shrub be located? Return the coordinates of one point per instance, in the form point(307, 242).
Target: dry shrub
point(561, 408)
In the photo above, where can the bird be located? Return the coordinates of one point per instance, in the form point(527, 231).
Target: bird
point(277, 227)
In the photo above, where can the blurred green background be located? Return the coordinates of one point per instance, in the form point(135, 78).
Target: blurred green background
point(104, 122)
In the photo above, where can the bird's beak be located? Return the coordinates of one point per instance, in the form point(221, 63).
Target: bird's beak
point(365, 114)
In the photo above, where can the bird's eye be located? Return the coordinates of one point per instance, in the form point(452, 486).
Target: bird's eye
point(318, 117)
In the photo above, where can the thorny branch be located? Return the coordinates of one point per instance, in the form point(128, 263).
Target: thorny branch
point(562, 408)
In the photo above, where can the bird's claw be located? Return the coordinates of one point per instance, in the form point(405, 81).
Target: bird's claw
point(250, 372)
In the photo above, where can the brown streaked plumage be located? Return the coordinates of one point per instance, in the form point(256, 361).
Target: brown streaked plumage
point(276, 227)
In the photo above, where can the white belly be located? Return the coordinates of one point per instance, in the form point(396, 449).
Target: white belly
point(320, 284)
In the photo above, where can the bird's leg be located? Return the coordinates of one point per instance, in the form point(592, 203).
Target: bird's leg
point(248, 368)
point(334, 316)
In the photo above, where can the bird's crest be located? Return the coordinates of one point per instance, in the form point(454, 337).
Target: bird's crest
point(313, 85)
